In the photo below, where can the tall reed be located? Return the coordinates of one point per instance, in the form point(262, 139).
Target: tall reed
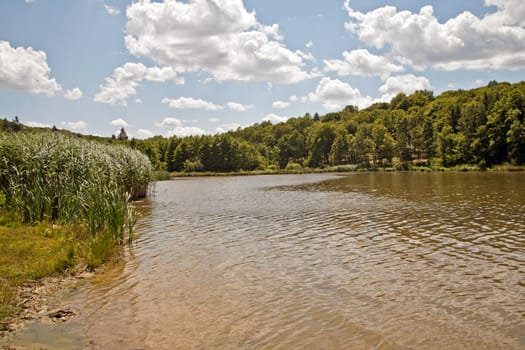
point(50, 176)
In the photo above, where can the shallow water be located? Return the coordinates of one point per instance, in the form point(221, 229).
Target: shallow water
point(369, 260)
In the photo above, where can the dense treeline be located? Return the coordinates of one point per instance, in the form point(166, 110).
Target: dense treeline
point(482, 127)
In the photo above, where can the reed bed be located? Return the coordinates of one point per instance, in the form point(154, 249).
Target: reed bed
point(69, 180)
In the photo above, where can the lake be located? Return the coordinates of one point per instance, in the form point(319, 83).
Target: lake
point(365, 260)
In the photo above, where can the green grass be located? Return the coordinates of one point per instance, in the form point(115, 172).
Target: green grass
point(508, 167)
point(160, 175)
point(29, 253)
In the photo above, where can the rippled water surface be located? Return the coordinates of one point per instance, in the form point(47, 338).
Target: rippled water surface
point(369, 260)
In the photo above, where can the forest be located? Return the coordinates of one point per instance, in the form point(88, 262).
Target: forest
point(482, 127)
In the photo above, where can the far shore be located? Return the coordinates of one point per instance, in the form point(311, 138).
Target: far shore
point(341, 169)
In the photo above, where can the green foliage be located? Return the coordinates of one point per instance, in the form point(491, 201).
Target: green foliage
point(479, 128)
point(482, 127)
point(49, 176)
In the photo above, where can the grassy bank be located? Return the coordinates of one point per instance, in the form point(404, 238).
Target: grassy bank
point(64, 205)
point(31, 253)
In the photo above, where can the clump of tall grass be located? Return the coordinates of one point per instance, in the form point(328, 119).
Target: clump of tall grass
point(49, 176)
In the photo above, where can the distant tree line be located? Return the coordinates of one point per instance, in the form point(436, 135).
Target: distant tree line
point(482, 127)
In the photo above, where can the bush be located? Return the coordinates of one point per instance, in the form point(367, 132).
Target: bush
point(295, 167)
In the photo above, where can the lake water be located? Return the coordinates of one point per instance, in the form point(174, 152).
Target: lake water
point(365, 261)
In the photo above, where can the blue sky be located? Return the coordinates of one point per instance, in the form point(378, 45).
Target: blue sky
point(205, 66)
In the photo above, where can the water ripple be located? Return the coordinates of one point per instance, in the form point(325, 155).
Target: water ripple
point(378, 261)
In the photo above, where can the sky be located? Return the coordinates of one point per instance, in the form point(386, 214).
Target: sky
point(190, 67)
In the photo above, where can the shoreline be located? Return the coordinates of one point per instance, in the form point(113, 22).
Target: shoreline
point(344, 170)
point(46, 301)
point(41, 301)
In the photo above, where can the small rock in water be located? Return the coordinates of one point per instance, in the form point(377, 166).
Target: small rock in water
point(62, 315)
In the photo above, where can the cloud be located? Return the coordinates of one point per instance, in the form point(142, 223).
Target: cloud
point(293, 98)
point(191, 103)
point(494, 41)
point(176, 128)
point(510, 12)
point(238, 107)
point(183, 131)
point(274, 118)
point(112, 10)
point(280, 104)
point(406, 84)
point(214, 120)
point(218, 37)
point(73, 94)
point(309, 44)
point(26, 69)
point(37, 124)
point(121, 123)
point(362, 62)
point(138, 100)
point(227, 127)
point(160, 75)
point(170, 122)
point(144, 133)
point(334, 94)
point(79, 125)
point(125, 79)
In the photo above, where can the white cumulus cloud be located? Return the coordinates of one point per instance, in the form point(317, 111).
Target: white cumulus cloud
point(191, 103)
point(406, 84)
point(125, 79)
point(176, 127)
point(183, 131)
point(274, 118)
point(37, 124)
point(144, 133)
point(73, 94)
point(170, 122)
point(494, 41)
point(26, 69)
point(227, 127)
point(121, 123)
point(280, 104)
point(362, 62)
point(218, 37)
point(238, 107)
point(334, 94)
point(78, 125)
point(112, 10)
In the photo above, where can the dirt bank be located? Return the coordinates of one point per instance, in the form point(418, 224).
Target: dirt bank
point(44, 301)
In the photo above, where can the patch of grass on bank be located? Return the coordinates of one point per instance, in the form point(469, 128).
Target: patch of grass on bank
point(160, 175)
point(508, 167)
point(29, 253)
